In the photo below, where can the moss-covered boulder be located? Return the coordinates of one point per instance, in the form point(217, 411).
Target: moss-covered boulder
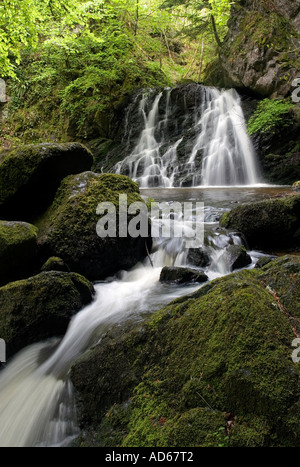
point(68, 228)
point(267, 224)
point(40, 307)
point(18, 250)
point(213, 368)
point(30, 176)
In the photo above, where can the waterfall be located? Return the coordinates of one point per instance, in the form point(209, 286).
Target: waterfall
point(146, 164)
point(228, 155)
point(203, 144)
point(37, 404)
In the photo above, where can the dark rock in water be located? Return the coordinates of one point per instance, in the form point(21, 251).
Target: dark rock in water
point(40, 307)
point(68, 228)
point(199, 363)
point(262, 262)
point(238, 257)
point(174, 275)
point(30, 176)
point(55, 264)
point(198, 257)
point(267, 224)
point(18, 250)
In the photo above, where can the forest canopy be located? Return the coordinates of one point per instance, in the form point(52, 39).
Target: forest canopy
point(75, 60)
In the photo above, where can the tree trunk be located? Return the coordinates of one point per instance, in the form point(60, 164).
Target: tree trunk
point(215, 31)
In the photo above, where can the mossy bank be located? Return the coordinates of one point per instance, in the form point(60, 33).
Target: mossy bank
point(210, 369)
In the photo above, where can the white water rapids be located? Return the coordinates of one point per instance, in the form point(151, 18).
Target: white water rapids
point(37, 406)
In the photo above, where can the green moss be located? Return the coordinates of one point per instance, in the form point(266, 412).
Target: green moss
point(269, 115)
point(223, 350)
point(54, 264)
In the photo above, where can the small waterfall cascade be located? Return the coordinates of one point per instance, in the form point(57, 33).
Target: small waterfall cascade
point(228, 155)
point(200, 144)
point(37, 403)
point(148, 164)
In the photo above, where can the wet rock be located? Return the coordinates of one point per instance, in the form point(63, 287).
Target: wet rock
point(30, 176)
point(174, 275)
point(18, 250)
point(198, 257)
point(40, 307)
point(238, 257)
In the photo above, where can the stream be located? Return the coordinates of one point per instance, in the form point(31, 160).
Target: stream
point(37, 401)
point(209, 147)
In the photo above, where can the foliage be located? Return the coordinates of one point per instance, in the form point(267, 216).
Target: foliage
point(70, 64)
point(270, 113)
point(20, 24)
point(209, 16)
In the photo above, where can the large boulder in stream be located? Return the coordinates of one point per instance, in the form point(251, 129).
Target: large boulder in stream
point(18, 250)
point(30, 176)
point(40, 307)
point(267, 224)
point(68, 229)
point(213, 368)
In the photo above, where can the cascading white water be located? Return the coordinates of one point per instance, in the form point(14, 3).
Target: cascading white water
point(228, 154)
point(221, 143)
point(146, 165)
point(36, 398)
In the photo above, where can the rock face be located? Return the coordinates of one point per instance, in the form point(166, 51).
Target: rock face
point(238, 257)
point(18, 250)
point(198, 257)
point(267, 224)
point(182, 104)
point(174, 275)
point(68, 228)
point(202, 368)
point(30, 176)
point(259, 52)
point(40, 307)
point(279, 151)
